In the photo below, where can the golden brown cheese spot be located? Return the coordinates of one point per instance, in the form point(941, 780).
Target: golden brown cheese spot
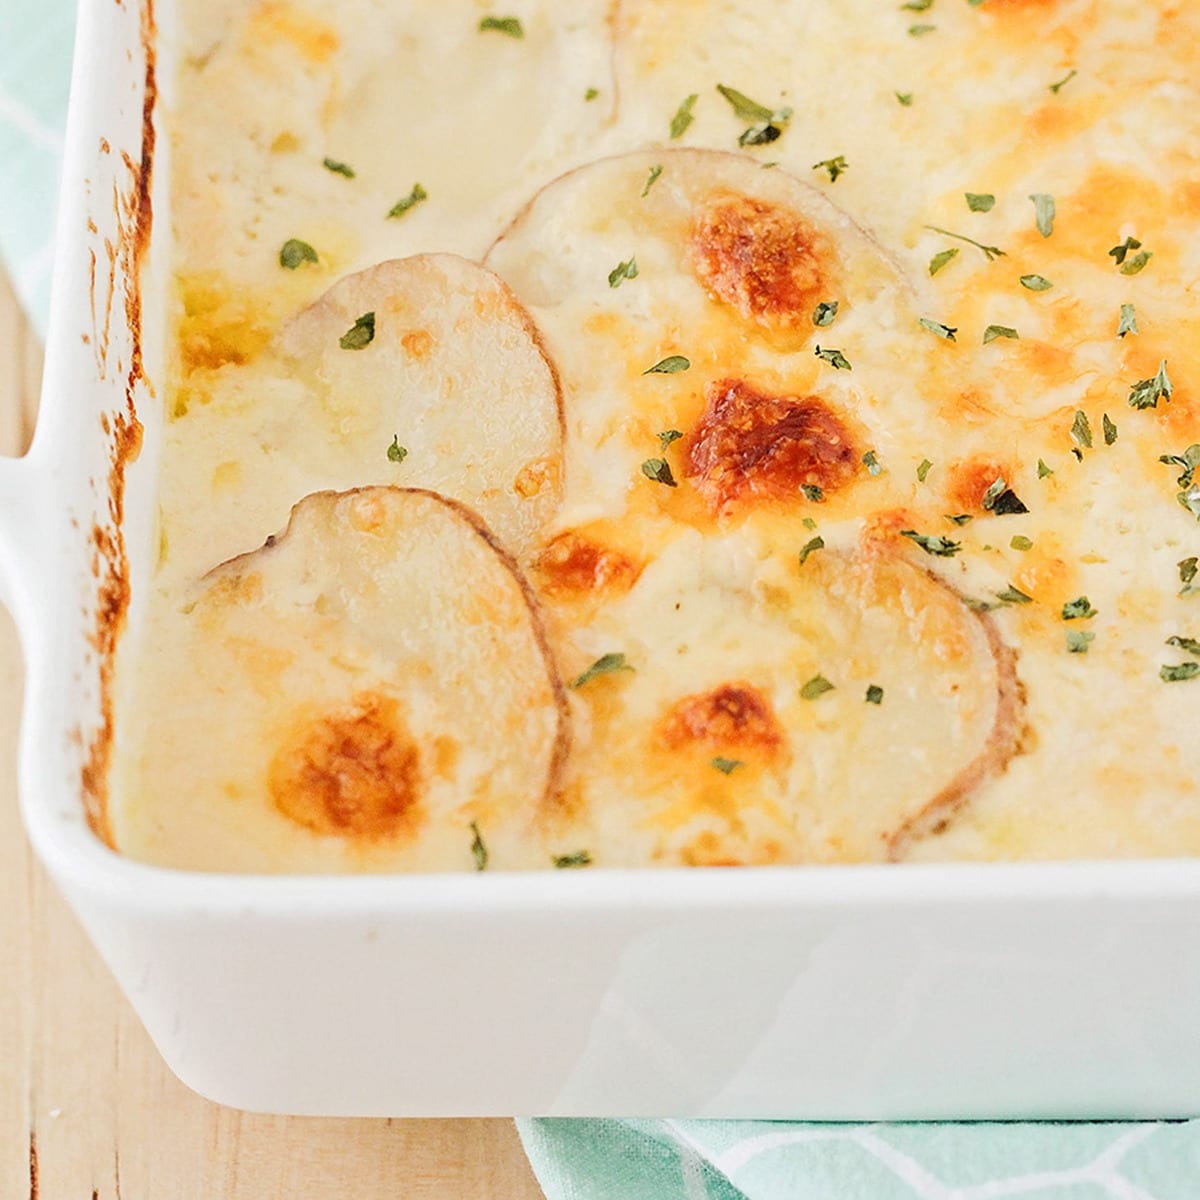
point(573, 565)
point(218, 325)
point(764, 260)
point(733, 716)
point(970, 480)
point(315, 40)
point(353, 773)
point(753, 446)
point(417, 344)
point(535, 477)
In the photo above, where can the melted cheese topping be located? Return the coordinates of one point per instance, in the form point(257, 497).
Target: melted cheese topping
point(817, 663)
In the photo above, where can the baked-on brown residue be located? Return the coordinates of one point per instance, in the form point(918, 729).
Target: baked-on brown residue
point(354, 773)
point(751, 446)
point(572, 565)
point(110, 565)
point(734, 715)
point(765, 260)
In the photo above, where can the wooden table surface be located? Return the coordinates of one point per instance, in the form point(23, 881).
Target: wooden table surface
point(88, 1111)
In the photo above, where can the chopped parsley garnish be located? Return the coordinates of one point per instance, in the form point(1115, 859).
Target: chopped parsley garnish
point(768, 124)
point(510, 26)
point(920, 30)
point(668, 436)
point(992, 332)
point(1110, 430)
point(397, 453)
point(941, 259)
point(726, 765)
point(809, 524)
point(1044, 212)
point(874, 694)
point(1013, 595)
point(1078, 609)
point(408, 202)
point(1062, 83)
point(651, 179)
point(1078, 640)
point(933, 544)
point(916, 6)
point(360, 334)
point(1189, 460)
point(294, 252)
point(905, 98)
point(989, 252)
point(835, 166)
point(659, 470)
point(1021, 542)
point(1146, 393)
point(1179, 673)
point(871, 462)
point(591, 93)
point(1188, 569)
point(1189, 494)
point(1081, 429)
point(814, 544)
point(945, 332)
point(743, 106)
point(813, 492)
point(1186, 644)
point(817, 686)
point(1132, 266)
point(606, 664)
point(825, 313)
point(623, 271)
point(923, 469)
point(959, 518)
point(1128, 322)
point(478, 849)
point(683, 116)
point(835, 358)
point(581, 858)
point(1036, 283)
point(671, 365)
point(980, 201)
point(1043, 470)
point(338, 168)
point(1121, 252)
point(1001, 500)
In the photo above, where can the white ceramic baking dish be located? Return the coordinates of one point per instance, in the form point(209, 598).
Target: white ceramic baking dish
point(881, 992)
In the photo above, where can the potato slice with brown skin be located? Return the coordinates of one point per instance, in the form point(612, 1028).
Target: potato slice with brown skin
point(357, 692)
point(454, 371)
point(712, 749)
point(732, 263)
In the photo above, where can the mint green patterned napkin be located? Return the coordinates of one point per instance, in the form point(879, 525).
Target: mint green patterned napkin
point(35, 72)
point(641, 1160)
point(769, 1160)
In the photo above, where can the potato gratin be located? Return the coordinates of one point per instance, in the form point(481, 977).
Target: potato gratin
point(655, 432)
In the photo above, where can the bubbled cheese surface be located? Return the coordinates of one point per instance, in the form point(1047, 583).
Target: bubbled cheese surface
point(574, 229)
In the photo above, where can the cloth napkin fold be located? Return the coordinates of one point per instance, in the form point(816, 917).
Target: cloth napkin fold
point(35, 74)
point(641, 1160)
point(776, 1160)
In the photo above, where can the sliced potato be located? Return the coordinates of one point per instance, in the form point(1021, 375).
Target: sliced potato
point(700, 255)
point(453, 392)
point(744, 732)
point(357, 692)
point(453, 370)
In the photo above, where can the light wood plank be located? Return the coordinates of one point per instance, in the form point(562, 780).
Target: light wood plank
point(79, 1074)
